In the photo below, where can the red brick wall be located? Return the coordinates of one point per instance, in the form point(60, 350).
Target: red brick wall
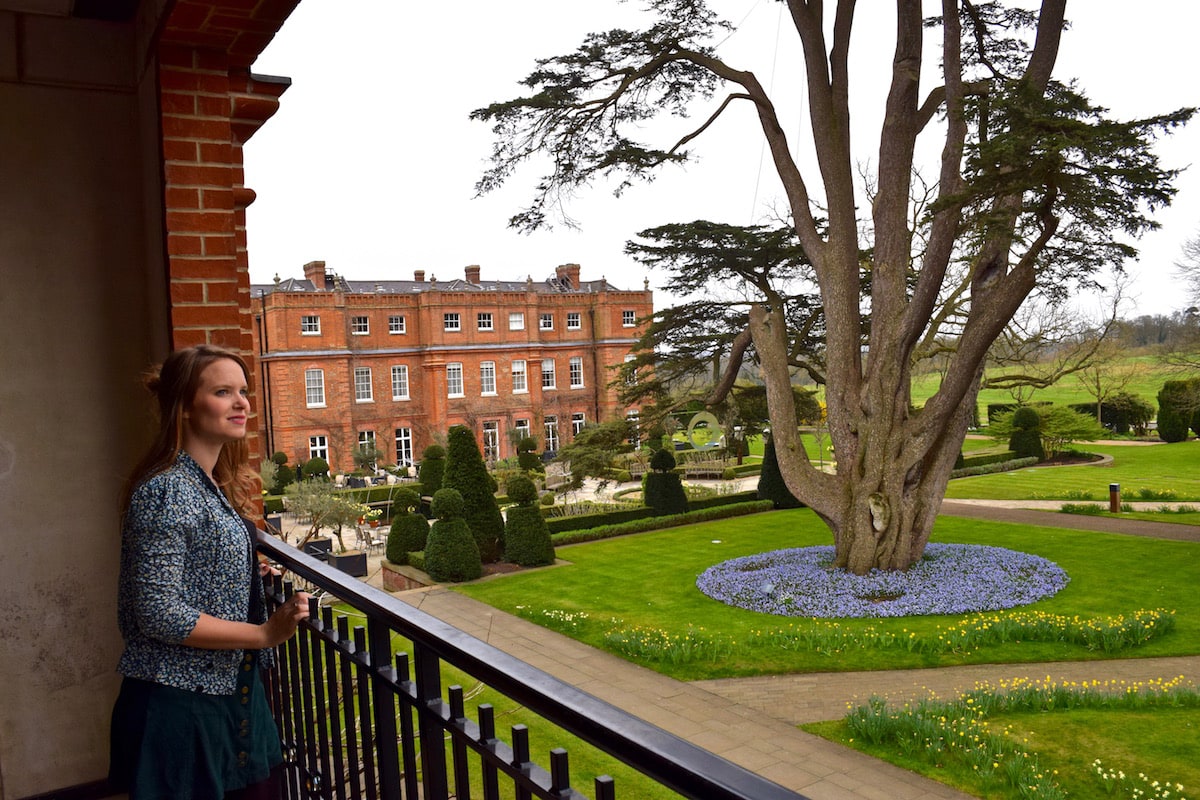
point(202, 166)
point(209, 107)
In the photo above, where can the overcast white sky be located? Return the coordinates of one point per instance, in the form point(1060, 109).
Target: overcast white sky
point(371, 161)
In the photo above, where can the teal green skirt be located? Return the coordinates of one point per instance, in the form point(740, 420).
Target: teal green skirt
point(173, 744)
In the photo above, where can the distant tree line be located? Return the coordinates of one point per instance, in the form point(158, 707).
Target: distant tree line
point(1158, 330)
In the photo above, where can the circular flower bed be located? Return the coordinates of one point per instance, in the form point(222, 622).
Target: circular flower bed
point(949, 579)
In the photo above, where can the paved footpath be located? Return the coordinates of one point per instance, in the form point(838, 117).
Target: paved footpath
point(752, 721)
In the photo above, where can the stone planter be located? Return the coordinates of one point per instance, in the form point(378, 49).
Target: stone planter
point(402, 577)
point(351, 562)
point(319, 548)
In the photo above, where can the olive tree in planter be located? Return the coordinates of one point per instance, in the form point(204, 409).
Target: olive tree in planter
point(450, 552)
point(526, 536)
point(409, 530)
point(322, 506)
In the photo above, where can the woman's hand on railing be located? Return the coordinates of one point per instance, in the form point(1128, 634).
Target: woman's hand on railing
point(282, 624)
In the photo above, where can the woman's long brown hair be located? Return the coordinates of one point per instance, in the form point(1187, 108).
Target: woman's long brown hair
point(174, 384)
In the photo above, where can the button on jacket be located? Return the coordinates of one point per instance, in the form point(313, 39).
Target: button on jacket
point(184, 550)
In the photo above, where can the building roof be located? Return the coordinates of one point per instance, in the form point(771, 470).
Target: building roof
point(336, 283)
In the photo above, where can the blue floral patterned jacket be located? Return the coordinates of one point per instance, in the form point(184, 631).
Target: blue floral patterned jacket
point(184, 551)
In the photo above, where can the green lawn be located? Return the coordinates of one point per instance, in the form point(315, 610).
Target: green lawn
point(1148, 377)
point(1156, 469)
point(647, 581)
point(1160, 743)
point(1175, 517)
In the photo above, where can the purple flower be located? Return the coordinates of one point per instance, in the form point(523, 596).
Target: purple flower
point(949, 579)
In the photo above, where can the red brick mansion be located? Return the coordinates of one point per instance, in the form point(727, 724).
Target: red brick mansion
point(397, 362)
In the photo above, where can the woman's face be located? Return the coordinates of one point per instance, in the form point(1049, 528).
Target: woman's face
point(219, 410)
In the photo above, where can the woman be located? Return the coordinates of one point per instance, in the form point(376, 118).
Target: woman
point(192, 720)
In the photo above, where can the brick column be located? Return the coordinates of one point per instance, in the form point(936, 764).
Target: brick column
point(210, 106)
point(199, 178)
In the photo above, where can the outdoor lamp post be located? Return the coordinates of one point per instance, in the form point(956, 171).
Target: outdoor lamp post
point(737, 442)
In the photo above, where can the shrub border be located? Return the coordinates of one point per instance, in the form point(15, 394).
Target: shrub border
point(657, 523)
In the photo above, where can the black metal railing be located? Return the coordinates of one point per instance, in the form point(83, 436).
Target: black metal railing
point(362, 718)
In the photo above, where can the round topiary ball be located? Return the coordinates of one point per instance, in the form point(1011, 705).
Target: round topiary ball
point(406, 499)
point(447, 504)
point(1026, 418)
point(521, 490)
point(662, 461)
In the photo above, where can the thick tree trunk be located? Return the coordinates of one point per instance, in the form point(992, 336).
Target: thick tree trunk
point(892, 468)
point(894, 490)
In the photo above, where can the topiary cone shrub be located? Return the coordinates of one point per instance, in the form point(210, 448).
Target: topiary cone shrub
point(450, 551)
point(526, 536)
point(409, 531)
point(770, 480)
point(662, 488)
point(1026, 438)
point(466, 472)
point(1176, 404)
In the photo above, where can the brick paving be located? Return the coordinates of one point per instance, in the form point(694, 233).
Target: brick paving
point(752, 721)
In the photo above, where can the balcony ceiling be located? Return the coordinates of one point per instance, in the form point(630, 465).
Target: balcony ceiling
point(111, 10)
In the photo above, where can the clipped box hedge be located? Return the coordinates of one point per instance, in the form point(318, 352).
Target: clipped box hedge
point(994, 467)
point(580, 521)
point(658, 523)
point(983, 459)
point(723, 500)
point(585, 521)
point(273, 503)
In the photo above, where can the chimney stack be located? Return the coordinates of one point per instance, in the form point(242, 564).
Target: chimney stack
point(473, 274)
point(568, 273)
point(419, 275)
point(314, 272)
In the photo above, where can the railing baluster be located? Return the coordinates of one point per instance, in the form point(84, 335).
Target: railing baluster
point(314, 778)
point(327, 703)
point(458, 748)
point(354, 754)
point(560, 773)
point(487, 737)
point(363, 664)
point(279, 680)
point(520, 759)
point(606, 788)
point(320, 709)
point(408, 739)
point(383, 708)
point(427, 669)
